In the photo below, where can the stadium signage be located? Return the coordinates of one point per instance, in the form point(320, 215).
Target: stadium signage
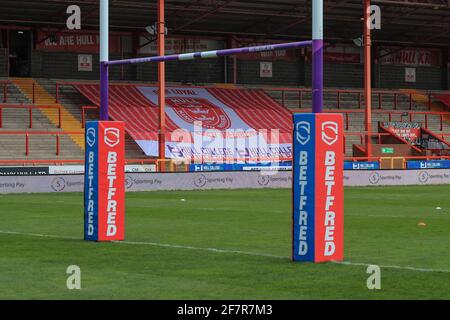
point(66, 170)
point(387, 150)
point(361, 165)
point(112, 196)
point(24, 171)
point(410, 131)
point(410, 56)
point(104, 189)
point(330, 216)
point(318, 188)
point(211, 126)
point(276, 55)
point(267, 166)
point(342, 54)
point(303, 219)
point(432, 164)
point(180, 44)
point(74, 41)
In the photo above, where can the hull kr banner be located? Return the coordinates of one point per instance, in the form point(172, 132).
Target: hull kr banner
point(209, 128)
point(203, 123)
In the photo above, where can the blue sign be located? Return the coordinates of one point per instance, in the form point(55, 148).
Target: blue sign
point(361, 166)
point(209, 167)
point(281, 166)
point(432, 164)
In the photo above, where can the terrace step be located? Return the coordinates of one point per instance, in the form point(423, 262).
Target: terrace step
point(69, 123)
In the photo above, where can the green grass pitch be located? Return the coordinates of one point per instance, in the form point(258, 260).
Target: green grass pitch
point(225, 245)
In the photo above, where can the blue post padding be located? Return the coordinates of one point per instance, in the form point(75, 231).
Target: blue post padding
point(91, 182)
point(303, 167)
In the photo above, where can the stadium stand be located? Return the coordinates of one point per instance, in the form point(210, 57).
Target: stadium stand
point(212, 217)
point(73, 102)
point(388, 105)
point(33, 126)
point(127, 103)
point(33, 90)
point(253, 107)
point(444, 98)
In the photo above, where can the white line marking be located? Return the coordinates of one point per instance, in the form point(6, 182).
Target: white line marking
point(432, 215)
point(165, 245)
point(376, 216)
point(38, 235)
point(215, 250)
point(391, 267)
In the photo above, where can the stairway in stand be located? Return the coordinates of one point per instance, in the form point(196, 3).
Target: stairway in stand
point(43, 98)
point(422, 97)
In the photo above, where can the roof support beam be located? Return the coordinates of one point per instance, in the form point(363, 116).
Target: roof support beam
point(204, 15)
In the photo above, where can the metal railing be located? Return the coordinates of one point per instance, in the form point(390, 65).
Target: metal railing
point(410, 115)
point(84, 110)
point(62, 162)
point(30, 112)
point(357, 159)
point(56, 134)
point(6, 83)
point(356, 94)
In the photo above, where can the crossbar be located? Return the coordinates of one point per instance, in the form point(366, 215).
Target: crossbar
point(316, 44)
point(211, 54)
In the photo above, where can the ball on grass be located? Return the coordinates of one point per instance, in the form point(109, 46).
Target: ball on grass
point(421, 224)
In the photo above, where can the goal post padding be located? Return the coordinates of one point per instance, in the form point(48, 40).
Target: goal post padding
point(104, 181)
point(318, 194)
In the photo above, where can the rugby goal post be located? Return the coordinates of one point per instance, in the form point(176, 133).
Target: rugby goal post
point(317, 194)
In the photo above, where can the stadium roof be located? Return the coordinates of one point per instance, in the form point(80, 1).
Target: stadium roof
point(404, 22)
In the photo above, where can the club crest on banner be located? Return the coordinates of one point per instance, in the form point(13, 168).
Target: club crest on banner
point(198, 109)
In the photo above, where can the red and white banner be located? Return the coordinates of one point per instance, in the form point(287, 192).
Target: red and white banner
point(218, 129)
point(74, 41)
point(340, 54)
point(204, 123)
point(410, 131)
point(277, 55)
point(180, 45)
point(410, 57)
